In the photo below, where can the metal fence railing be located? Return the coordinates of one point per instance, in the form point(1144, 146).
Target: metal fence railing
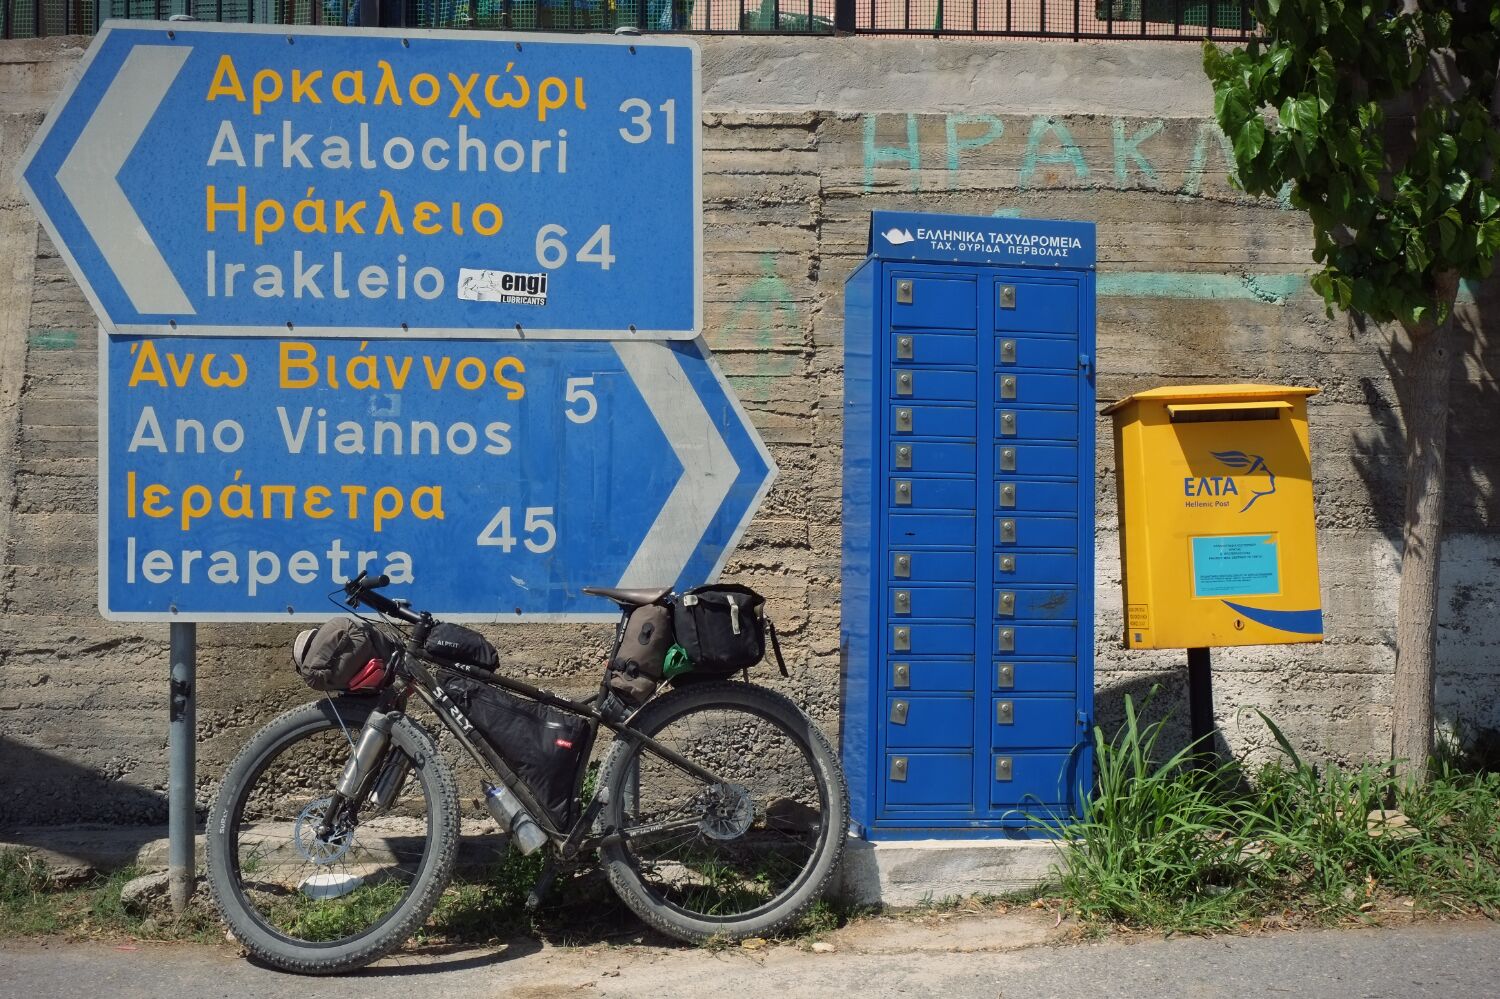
point(1185, 20)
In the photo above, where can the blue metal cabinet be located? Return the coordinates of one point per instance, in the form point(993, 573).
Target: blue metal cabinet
point(967, 603)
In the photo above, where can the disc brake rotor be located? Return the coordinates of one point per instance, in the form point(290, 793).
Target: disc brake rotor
point(728, 812)
point(305, 836)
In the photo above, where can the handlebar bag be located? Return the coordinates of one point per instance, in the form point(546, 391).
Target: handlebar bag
point(722, 627)
point(464, 645)
point(545, 746)
point(330, 656)
point(641, 644)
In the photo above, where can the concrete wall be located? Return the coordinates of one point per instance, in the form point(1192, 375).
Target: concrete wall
point(803, 139)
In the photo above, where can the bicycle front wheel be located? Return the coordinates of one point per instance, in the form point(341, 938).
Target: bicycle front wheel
point(745, 855)
point(317, 904)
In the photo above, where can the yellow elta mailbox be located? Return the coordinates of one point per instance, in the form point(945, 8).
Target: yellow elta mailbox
point(1216, 517)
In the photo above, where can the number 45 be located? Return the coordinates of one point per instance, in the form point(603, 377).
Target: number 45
point(497, 531)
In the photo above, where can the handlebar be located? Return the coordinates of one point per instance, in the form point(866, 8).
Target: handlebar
point(361, 590)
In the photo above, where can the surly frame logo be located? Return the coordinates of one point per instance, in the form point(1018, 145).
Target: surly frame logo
point(1210, 490)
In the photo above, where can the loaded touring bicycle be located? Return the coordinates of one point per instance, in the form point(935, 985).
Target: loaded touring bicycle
point(718, 809)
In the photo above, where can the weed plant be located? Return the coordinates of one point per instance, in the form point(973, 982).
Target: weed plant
point(1171, 843)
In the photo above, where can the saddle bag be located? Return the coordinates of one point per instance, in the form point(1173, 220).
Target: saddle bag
point(640, 654)
point(342, 654)
point(722, 628)
point(545, 746)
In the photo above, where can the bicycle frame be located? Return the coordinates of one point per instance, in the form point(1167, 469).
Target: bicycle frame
point(414, 675)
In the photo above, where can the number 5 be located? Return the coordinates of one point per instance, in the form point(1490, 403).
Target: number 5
point(534, 522)
point(576, 392)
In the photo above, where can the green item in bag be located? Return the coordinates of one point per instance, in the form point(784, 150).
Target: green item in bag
point(676, 663)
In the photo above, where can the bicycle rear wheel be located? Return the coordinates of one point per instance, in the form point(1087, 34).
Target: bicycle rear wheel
point(322, 905)
point(739, 858)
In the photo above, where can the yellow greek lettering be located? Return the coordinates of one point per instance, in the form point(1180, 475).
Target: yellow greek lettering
point(578, 94)
point(398, 374)
point(152, 499)
point(457, 219)
point(388, 211)
point(302, 86)
point(266, 88)
point(147, 367)
point(433, 510)
point(421, 218)
point(197, 503)
point(384, 510)
point(497, 219)
point(545, 103)
point(507, 100)
point(342, 94)
point(267, 220)
point(314, 206)
point(368, 375)
point(387, 84)
point(215, 207)
point(476, 376)
point(225, 379)
point(226, 82)
point(514, 389)
point(180, 369)
point(428, 82)
point(298, 356)
point(130, 495)
point(269, 493)
point(436, 378)
point(243, 508)
point(313, 498)
point(354, 493)
point(346, 217)
point(463, 100)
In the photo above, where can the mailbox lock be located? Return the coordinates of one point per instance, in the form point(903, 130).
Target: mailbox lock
point(903, 640)
point(901, 673)
point(1005, 605)
point(1008, 531)
point(898, 768)
point(903, 457)
point(903, 492)
point(1008, 387)
point(1005, 712)
point(1007, 296)
point(1005, 676)
point(1003, 769)
point(903, 601)
point(898, 712)
point(1008, 423)
point(903, 292)
point(1007, 495)
point(1007, 351)
point(903, 566)
point(1007, 639)
point(1008, 563)
point(1007, 459)
point(903, 348)
point(903, 420)
point(903, 383)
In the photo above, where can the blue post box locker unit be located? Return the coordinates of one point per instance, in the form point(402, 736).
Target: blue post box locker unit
point(968, 525)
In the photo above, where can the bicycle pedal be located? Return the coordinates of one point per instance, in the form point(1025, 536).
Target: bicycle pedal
point(543, 884)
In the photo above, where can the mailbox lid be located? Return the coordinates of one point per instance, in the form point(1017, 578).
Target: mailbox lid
point(1250, 392)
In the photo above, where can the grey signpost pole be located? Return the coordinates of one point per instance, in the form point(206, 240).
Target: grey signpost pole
point(182, 771)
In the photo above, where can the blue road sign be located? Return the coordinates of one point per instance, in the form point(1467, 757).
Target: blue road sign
point(244, 481)
point(256, 179)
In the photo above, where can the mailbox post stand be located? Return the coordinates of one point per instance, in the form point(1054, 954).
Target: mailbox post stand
point(1200, 700)
point(181, 775)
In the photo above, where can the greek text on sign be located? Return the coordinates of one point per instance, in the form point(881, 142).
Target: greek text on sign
point(244, 481)
point(260, 179)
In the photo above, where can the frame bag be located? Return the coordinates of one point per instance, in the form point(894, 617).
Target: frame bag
point(546, 747)
point(464, 645)
point(338, 652)
point(723, 628)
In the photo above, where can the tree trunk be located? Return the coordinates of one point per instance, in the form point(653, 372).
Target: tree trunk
point(1426, 374)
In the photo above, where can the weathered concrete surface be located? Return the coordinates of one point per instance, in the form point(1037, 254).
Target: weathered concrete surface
point(921, 872)
point(1198, 284)
point(984, 957)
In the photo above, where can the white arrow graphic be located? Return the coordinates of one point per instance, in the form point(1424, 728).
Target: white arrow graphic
point(708, 469)
point(89, 178)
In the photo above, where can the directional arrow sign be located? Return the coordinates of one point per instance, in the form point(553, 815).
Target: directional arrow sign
point(256, 179)
point(243, 481)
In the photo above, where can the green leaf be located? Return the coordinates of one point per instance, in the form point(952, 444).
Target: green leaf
point(1248, 143)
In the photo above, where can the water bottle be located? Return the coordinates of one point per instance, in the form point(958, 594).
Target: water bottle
point(513, 818)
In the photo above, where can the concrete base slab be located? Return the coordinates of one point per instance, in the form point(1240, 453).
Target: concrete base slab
point(919, 872)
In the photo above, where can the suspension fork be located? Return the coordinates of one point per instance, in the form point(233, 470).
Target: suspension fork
point(369, 755)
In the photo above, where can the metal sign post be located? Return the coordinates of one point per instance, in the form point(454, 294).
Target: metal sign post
point(182, 768)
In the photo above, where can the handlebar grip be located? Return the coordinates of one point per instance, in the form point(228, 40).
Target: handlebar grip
point(377, 582)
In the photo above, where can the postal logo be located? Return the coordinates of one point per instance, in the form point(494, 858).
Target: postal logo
point(1224, 485)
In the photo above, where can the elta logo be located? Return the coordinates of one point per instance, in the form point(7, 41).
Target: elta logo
point(1251, 463)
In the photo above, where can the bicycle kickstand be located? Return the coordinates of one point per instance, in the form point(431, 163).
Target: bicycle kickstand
point(543, 885)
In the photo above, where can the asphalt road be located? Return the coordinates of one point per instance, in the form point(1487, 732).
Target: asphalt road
point(992, 958)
